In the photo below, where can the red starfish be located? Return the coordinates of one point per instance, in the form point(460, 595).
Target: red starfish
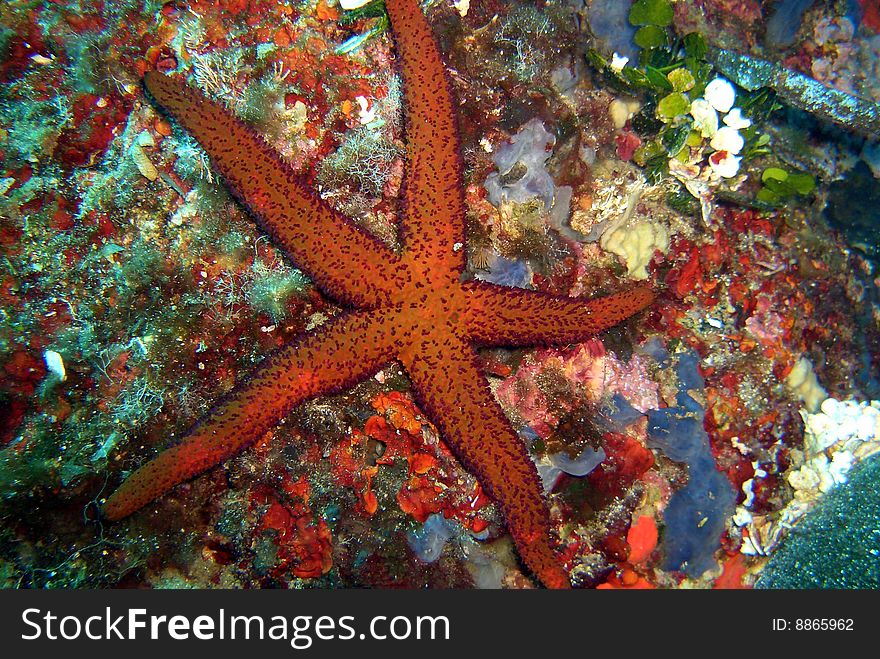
point(412, 305)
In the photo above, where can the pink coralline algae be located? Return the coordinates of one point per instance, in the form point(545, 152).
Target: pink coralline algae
point(589, 373)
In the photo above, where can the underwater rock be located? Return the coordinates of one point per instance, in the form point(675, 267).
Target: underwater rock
point(852, 112)
point(609, 21)
point(871, 156)
point(783, 25)
point(852, 209)
point(830, 547)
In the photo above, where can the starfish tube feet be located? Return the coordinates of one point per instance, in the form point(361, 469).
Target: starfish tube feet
point(349, 349)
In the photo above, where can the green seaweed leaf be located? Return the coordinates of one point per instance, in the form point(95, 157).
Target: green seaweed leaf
point(767, 196)
point(657, 79)
point(674, 139)
point(779, 184)
point(673, 105)
point(650, 36)
point(802, 183)
point(774, 174)
point(681, 80)
point(695, 45)
point(651, 12)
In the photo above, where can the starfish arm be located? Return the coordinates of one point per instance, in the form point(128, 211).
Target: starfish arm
point(500, 316)
point(339, 355)
point(432, 222)
point(320, 240)
point(453, 392)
